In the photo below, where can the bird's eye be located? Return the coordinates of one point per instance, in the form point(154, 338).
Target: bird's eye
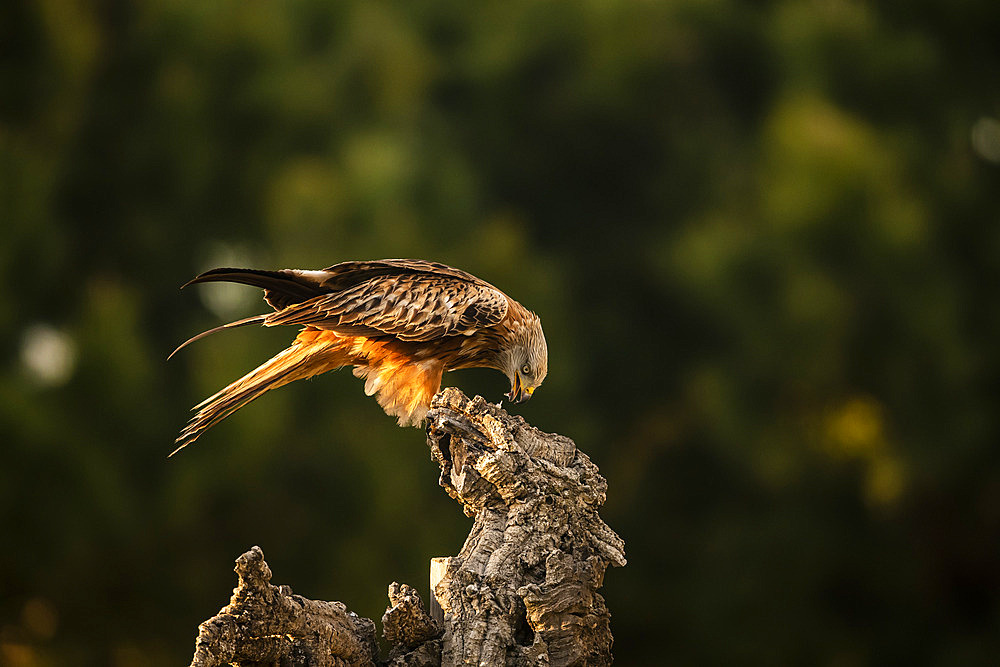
point(526, 369)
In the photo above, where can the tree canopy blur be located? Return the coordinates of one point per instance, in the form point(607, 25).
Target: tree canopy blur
point(763, 239)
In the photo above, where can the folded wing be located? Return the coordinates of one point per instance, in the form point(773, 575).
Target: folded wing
point(411, 307)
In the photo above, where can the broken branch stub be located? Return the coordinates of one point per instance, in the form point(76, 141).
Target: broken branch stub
point(523, 589)
point(268, 624)
point(410, 631)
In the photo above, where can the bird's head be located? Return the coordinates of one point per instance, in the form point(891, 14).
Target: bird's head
point(526, 360)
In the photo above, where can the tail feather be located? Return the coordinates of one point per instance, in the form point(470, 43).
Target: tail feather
point(232, 325)
point(301, 360)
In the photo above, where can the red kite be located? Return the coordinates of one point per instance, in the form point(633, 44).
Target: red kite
point(400, 322)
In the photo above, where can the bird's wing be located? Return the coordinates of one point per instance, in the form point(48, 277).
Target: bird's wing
point(412, 306)
point(286, 287)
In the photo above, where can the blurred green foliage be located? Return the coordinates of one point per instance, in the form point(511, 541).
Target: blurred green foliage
point(763, 238)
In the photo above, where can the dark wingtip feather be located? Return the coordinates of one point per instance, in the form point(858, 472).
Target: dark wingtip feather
point(282, 287)
point(222, 275)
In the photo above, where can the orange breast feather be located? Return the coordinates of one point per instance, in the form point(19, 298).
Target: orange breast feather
point(404, 383)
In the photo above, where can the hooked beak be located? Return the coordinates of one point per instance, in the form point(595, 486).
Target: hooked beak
point(519, 392)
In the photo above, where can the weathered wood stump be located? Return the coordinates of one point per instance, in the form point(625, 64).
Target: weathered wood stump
point(523, 588)
point(522, 591)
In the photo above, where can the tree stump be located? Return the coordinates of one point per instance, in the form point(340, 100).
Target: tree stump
point(522, 591)
point(523, 588)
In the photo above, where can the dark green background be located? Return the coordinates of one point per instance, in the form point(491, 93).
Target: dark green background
point(763, 238)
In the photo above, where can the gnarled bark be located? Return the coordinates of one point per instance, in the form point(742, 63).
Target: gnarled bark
point(268, 624)
point(523, 588)
point(522, 591)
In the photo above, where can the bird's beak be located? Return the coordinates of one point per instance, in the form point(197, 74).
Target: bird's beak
point(519, 392)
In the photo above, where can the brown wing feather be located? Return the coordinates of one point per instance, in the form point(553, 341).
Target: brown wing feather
point(415, 307)
point(347, 274)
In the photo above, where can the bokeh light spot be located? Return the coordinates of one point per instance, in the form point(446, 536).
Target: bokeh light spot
point(986, 138)
point(856, 427)
point(40, 618)
point(47, 355)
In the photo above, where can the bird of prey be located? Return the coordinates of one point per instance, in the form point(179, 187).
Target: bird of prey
point(400, 323)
